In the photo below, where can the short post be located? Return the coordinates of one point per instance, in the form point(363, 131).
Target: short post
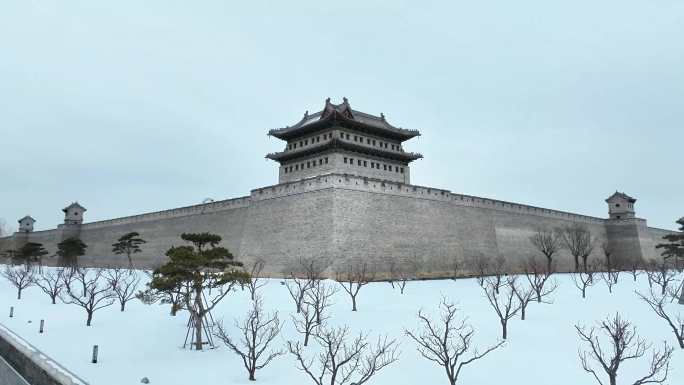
point(42, 324)
point(11, 311)
point(94, 360)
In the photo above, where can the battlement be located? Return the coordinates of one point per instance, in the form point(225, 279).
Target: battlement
point(202, 208)
point(380, 186)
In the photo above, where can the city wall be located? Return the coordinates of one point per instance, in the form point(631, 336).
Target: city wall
point(338, 217)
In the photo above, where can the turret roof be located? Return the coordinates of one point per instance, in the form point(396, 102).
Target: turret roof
point(620, 195)
point(27, 217)
point(74, 205)
point(345, 116)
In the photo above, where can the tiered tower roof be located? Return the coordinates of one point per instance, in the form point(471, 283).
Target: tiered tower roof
point(343, 115)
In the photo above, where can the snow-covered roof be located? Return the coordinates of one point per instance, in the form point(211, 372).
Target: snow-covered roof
point(620, 196)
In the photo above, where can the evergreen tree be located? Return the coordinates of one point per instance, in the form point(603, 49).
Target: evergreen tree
point(69, 250)
point(674, 249)
point(204, 265)
point(32, 252)
point(128, 244)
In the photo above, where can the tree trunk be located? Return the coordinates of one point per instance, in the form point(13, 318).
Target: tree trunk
point(54, 300)
point(198, 332)
point(123, 305)
point(353, 303)
point(306, 338)
point(584, 292)
point(549, 261)
point(251, 375)
point(19, 294)
point(504, 327)
point(90, 318)
point(613, 378)
point(576, 263)
point(522, 314)
point(584, 263)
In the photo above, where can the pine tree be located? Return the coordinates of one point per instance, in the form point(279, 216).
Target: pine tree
point(32, 252)
point(69, 250)
point(128, 244)
point(674, 249)
point(204, 265)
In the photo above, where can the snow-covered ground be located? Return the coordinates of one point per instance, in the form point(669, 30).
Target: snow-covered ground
point(145, 341)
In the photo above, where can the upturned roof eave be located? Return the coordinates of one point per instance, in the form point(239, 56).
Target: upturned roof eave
point(332, 119)
point(285, 156)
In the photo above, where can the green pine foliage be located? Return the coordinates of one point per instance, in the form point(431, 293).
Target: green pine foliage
point(31, 252)
point(194, 268)
point(674, 249)
point(69, 250)
point(128, 244)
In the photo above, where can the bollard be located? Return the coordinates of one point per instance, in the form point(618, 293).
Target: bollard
point(94, 360)
point(42, 323)
point(11, 311)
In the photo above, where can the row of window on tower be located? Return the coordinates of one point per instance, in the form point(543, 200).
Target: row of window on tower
point(305, 142)
point(375, 165)
point(344, 135)
point(308, 164)
point(369, 141)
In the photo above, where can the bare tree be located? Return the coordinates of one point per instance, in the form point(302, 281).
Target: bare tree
point(305, 322)
point(402, 273)
point(97, 293)
point(447, 341)
point(320, 298)
point(124, 283)
point(539, 279)
point(547, 242)
point(658, 304)
point(258, 332)
point(313, 313)
point(497, 271)
point(353, 277)
point(584, 279)
point(343, 361)
point(505, 304)
point(625, 345)
point(662, 274)
point(635, 269)
point(576, 238)
point(51, 283)
point(524, 293)
point(256, 280)
point(20, 277)
point(480, 264)
point(301, 278)
point(610, 276)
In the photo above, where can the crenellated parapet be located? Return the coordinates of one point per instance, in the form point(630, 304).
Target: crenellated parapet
point(203, 208)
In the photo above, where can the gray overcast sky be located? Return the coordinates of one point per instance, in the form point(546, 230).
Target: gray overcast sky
point(131, 106)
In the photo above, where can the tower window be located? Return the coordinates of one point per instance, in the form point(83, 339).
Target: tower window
point(384, 167)
point(373, 142)
point(345, 160)
point(351, 161)
point(402, 170)
point(617, 205)
point(342, 135)
point(356, 138)
point(296, 167)
point(365, 164)
point(358, 162)
point(326, 160)
point(347, 136)
point(367, 140)
point(320, 162)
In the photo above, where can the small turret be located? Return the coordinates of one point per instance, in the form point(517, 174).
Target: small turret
point(26, 224)
point(620, 206)
point(73, 214)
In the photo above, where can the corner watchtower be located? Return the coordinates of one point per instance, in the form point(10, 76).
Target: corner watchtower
point(620, 206)
point(73, 214)
point(26, 224)
point(339, 139)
